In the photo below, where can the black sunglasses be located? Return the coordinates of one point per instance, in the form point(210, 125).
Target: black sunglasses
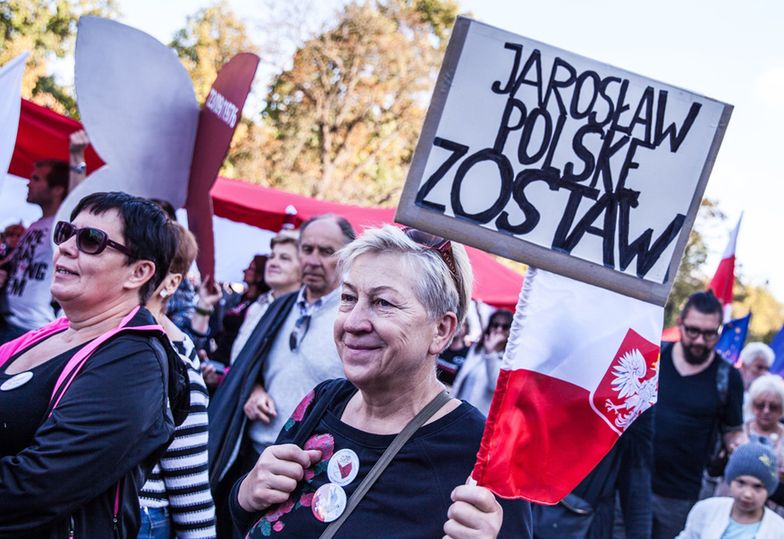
point(440, 245)
point(89, 240)
point(298, 333)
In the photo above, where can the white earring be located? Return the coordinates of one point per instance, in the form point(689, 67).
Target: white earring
point(164, 293)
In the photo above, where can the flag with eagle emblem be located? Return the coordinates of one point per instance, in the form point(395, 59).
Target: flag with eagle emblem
point(580, 366)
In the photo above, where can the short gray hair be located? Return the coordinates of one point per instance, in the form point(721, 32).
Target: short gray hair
point(767, 383)
point(757, 349)
point(435, 288)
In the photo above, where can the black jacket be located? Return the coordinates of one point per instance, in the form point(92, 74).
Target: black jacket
point(110, 427)
point(226, 417)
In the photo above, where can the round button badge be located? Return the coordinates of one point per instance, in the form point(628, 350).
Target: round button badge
point(329, 502)
point(343, 467)
point(16, 381)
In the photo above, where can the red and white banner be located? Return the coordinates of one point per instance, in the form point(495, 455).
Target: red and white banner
point(218, 120)
point(724, 278)
point(581, 364)
point(10, 101)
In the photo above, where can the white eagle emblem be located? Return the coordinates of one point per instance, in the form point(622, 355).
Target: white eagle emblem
point(636, 395)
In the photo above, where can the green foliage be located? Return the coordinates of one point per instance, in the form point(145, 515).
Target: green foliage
point(345, 117)
point(46, 29)
point(691, 272)
point(767, 312)
point(210, 38)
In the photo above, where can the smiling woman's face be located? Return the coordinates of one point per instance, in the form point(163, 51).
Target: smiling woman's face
point(83, 281)
point(383, 333)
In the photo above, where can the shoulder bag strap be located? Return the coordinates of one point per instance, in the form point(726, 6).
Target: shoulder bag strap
point(426, 413)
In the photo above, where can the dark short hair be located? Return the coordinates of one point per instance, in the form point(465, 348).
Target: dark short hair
point(503, 314)
point(147, 231)
point(260, 261)
point(59, 173)
point(704, 302)
point(349, 234)
point(167, 207)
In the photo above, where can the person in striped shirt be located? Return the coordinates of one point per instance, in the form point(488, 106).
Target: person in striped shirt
point(175, 500)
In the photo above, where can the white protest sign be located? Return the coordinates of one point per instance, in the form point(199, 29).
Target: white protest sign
point(568, 164)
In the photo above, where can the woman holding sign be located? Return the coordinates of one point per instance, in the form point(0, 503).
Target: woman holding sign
point(386, 452)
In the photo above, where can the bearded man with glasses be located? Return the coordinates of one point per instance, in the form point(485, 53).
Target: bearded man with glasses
point(700, 401)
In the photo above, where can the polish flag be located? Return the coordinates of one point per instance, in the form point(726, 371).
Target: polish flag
point(724, 278)
point(581, 364)
point(10, 104)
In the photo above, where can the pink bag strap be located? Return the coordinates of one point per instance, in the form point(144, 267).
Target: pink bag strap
point(78, 360)
point(31, 338)
point(74, 365)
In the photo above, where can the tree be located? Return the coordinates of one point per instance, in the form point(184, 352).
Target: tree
point(691, 276)
point(211, 37)
point(46, 29)
point(346, 115)
point(767, 312)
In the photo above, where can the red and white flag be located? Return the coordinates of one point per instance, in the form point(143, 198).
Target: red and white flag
point(10, 103)
point(581, 364)
point(724, 278)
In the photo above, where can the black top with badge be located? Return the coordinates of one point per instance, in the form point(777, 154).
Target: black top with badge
point(408, 501)
point(24, 400)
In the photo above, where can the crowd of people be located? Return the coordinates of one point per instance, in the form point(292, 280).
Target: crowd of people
point(335, 393)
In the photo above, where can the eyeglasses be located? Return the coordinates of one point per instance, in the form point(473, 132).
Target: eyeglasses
point(772, 406)
point(694, 332)
point(440, 245)
point(298, 333)
point(89, 240)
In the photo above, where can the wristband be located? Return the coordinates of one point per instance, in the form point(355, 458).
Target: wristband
point(204, 312)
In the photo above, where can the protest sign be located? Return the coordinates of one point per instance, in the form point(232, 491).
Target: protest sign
point(218, 120)
point(563, 162)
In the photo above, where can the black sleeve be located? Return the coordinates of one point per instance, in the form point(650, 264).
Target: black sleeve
point(243, 520)
point(518, 522)
point(311, 408)
point(733, 413)
point(634, 476)
point(111, 418)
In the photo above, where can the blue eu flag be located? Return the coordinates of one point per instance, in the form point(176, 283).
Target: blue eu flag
point(733, 336)
point(778, 347)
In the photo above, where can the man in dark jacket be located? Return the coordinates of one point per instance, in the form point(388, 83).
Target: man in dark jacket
point(290, 351)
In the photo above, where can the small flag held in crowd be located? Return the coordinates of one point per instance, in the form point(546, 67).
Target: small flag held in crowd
point(733, 337)
point(778, 347)
point(724, 278)
point(580, 366)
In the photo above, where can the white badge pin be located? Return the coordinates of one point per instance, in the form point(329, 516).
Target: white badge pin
point(343, 467)
point(16, 381)
point(329, 502)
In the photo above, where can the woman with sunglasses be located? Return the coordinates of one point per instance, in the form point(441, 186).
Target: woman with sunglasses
point(766, 409)
point(476, 379)
point(89, 402)
point(385, 452)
